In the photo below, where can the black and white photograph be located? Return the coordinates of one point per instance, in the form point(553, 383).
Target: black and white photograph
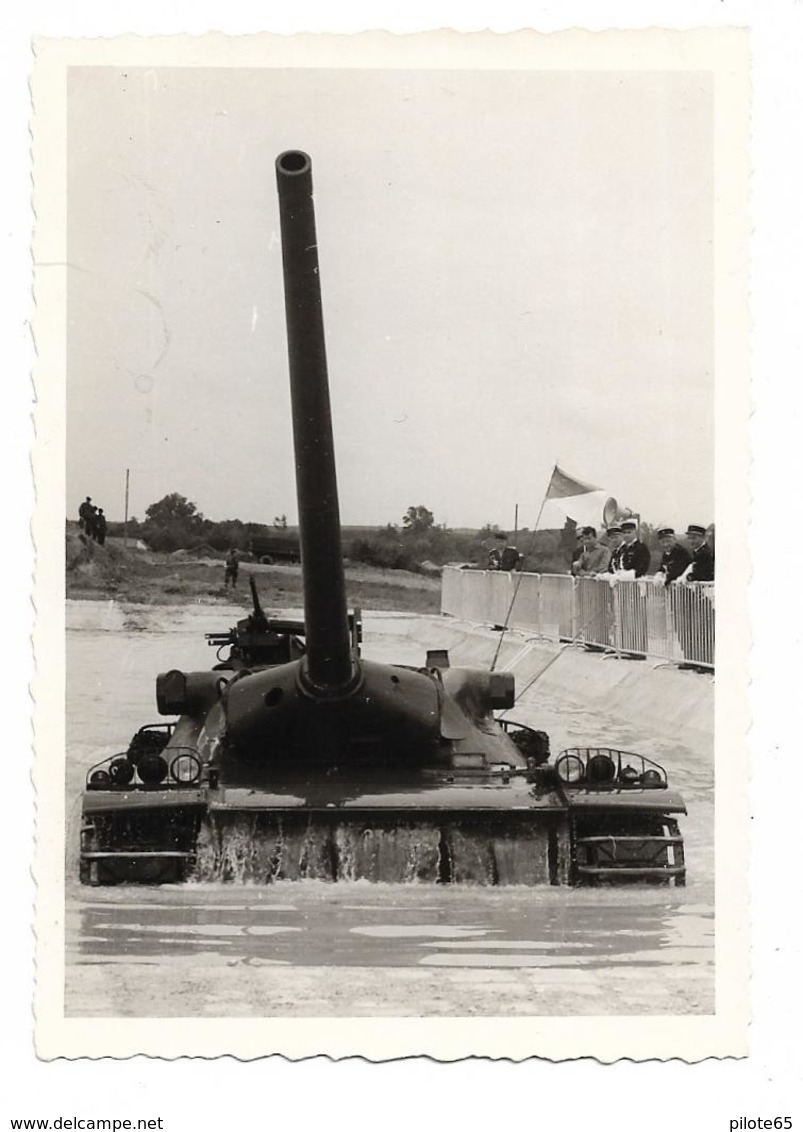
point(401, 405)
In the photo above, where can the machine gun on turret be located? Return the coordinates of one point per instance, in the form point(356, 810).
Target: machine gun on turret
point(258, 640)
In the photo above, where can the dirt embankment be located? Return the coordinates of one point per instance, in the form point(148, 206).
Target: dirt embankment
point(98, 573)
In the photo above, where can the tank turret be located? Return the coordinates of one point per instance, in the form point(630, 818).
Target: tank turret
point(328, 708)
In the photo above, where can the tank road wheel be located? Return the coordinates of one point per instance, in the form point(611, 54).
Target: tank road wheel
point(146, 848)
point(609, 849)
point(88, 867)
point(673, 830)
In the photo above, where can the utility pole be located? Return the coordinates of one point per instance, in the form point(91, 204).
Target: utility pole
point(515, 524)
point(125, 521)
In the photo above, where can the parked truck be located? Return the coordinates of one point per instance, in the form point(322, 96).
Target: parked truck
point(268, 549)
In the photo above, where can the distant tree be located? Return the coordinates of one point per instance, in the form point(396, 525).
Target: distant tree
point(174, 508)
point(417, 520)
point(173, 522)
point(280, 522)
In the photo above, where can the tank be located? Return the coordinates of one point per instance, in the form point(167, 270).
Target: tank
point(296, 757)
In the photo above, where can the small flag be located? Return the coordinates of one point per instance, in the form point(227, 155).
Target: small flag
point(562, 486)
point(567, 496)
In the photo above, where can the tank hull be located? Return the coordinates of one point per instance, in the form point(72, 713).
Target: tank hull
point(434, 832)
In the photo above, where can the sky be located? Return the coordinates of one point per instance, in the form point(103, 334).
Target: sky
point(516, 266)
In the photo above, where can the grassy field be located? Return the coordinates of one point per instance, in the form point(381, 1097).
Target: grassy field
point(108, 572)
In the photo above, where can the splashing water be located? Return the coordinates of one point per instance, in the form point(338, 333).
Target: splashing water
point(260, 848)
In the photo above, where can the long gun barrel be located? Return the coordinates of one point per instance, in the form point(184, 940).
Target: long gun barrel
point(329, 668)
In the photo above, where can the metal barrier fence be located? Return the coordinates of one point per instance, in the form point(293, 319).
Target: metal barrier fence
point(673, 623)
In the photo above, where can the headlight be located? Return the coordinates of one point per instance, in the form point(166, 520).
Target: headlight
point(99, 780)
point(152, 769)
point(185, 768)
point(121, 771)
point(570, 768)
point(601, 768)
point(629, 776)
point(651, 778)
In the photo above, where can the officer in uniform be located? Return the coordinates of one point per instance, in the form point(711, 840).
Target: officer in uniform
point(634, 555)
point(684, 606)
point(615, 542)
point(701, 568)
point(634, 562)
point(675, 558)
point(510, 559)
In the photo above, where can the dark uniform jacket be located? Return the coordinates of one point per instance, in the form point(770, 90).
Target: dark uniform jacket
point(616, 560)
point(674, 562)
point(702, 565)
point(635, 556)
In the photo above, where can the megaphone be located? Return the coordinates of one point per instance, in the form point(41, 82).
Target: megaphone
point(613, 513)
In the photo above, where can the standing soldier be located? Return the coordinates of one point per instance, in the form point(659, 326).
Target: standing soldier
point(634, 555)
point(510, 559)
point(701, 568)
point(84, 514)
point(615, 542)
point(232, 567)
point(694, 642)
point(634, 562)
point(675, 558)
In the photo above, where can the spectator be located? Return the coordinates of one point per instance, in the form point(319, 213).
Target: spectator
point(495, 555)
point(232, 567)
point(634, 555)
point(634, 562)
point(100, 526)
point(695, 647)
point(84, 514)
point(594, 558)
point(615, 543)
point(674, 560)
point(578, 548)
point(92, 521)
point(701, 568)
point(510, 559)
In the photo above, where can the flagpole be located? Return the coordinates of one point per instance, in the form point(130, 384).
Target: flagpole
point(540, 510)
point(543, 501)
point(521, 572)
